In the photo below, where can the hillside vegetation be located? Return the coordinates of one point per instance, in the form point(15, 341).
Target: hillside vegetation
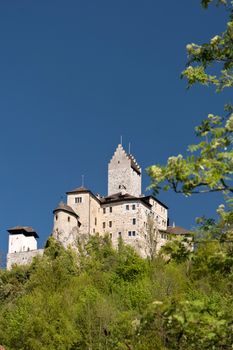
point(108, 299)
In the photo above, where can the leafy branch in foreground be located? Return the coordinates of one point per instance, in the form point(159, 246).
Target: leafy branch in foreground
point(218, 52)
point(209, 168)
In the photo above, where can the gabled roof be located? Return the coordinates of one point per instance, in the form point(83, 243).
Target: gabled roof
point(177, 230)
point(156, 200)
point(120, 197)
point(66, 208)
point(78, 190)
point(25, 230)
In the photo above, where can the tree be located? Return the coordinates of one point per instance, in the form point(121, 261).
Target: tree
point(209, 168)
point(152, 237)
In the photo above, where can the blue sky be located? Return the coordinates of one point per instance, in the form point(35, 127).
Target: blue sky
point(74, 77)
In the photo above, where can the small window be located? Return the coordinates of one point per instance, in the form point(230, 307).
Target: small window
point(68, 219)
point(119, 234)
point(110, 209)
point(78, 199)
point(127, 207)
point(104, 224)
point(129, 233)
point(110, 223)
point(95, 221)
point(104, 210)
point(93, 230)
point(134, 221)
point(133, 206)
point(110, 235)
point(133, 233)
point(56, 217)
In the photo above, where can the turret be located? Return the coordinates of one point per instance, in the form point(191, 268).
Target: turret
point(64, 218)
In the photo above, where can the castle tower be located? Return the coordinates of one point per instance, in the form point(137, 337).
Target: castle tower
point(22, 239)
point(22, 246)
point(124, 174)
point(66, 224)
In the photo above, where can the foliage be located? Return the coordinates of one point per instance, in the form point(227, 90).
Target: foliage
point(98, 298)
point(209, 167)
point(113, 299)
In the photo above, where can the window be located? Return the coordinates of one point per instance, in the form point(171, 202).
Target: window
point(110, 235)
point(110, 209)
point(134, 221)
point(133, 206)
point(127, 207)
point(110, 223)
point(133, 233)
point(104, 210)
point(104, 225)
point(95, 221)
point(129, 233)
point(78, 199)
point(93, 230)
point(119, 234)
point(56, 217)
point(68, 219)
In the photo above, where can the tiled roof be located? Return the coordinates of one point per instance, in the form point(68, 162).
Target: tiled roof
point(26, 230)
point(119, 197)
point(177, 230)
point(64, 207)
point(157, 200)
point(78, 190)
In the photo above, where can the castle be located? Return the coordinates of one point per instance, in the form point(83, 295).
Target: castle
point(140, 221)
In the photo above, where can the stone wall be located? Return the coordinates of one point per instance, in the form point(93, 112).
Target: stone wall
point(122, 176)
point(22, 258)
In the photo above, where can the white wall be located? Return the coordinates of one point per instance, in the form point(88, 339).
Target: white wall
point(21, 243)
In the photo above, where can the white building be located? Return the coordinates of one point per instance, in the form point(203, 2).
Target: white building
point(22, 246)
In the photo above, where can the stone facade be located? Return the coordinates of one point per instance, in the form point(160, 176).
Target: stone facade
point(22, 258)
point(124, 174)
point(124, 213)
point(140, 221)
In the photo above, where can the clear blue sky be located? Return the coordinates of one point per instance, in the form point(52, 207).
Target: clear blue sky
point(74, 76)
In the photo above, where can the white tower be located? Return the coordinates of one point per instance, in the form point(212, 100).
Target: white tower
point(22, 239)
point(124, 174)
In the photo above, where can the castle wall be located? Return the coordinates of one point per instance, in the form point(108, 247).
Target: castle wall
point(88, 209)
point(64, 221)
point(22, 258)
point(160, 213)
point(20, 243)
point(126, 178)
